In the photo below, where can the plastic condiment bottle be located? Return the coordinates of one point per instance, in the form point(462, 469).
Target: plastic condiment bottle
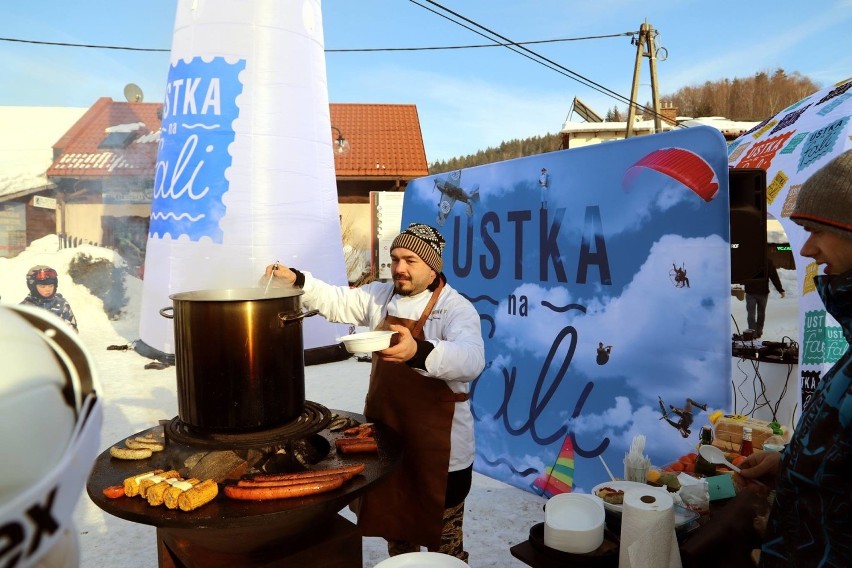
point(746, 448)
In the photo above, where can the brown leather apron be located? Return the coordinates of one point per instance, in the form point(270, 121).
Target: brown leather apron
point(409, 503)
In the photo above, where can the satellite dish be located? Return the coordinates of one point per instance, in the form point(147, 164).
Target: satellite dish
point(133, 93)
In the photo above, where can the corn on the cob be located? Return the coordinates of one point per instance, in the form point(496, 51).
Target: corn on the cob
point(170, 497)
point(131, 484)
point(144, 484)
point(202, 493)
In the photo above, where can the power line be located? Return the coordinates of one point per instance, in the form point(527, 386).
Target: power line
point(517, 47)
point(91, 46)
point(529, 54)
point(474, 46)
point(342, 50)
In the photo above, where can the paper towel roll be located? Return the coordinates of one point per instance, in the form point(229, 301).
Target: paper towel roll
point(648, 530)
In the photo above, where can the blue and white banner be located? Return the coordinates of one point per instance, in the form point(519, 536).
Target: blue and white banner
point(602, 278)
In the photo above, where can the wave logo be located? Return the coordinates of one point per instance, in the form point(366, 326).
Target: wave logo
point(198, 113)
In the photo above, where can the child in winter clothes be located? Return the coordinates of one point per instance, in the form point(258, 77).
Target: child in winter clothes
point(43, 282)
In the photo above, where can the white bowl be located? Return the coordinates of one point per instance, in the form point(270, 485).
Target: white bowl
point(422, 560)
point(574, 522)
point(366, 341)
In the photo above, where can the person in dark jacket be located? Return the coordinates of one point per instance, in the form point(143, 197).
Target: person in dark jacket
point(756, 296)
point(42, 282)
point(810, 522)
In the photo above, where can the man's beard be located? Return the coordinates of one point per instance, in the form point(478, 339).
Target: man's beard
point(398, 288)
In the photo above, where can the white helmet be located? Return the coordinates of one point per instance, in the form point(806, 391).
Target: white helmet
point(50, 423)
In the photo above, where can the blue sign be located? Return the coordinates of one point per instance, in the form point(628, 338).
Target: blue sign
point(602, 278)
point(190, 180)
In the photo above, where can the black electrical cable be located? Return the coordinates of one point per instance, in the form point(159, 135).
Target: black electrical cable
point(474, 46)
point(91, 46)
point(544, 61)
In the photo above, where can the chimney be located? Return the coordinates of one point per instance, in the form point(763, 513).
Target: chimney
point(668, 112)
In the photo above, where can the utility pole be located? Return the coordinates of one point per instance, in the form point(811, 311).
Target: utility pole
point(645, 48)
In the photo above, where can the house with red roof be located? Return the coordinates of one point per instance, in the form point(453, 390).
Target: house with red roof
point(104, 168)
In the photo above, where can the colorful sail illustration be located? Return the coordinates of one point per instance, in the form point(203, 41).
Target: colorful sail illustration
point(560, 477)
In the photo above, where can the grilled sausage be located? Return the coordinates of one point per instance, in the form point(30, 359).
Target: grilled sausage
point(354, 470)
point(364, 445)
point(283, 491)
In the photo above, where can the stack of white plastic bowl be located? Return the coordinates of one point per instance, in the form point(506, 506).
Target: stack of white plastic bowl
point(574, 522)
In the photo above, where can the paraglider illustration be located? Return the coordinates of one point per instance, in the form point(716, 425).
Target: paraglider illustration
point(680, 164)
point(678, 276)
point(684, 414)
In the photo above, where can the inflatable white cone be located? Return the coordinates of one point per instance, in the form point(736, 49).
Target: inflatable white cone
point(245, 170)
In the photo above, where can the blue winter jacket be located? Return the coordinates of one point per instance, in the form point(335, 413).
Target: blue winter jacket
point(810, 523)
point(55, 304)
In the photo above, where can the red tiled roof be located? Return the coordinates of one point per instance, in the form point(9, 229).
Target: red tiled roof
point(385, 140)
point(77, 153)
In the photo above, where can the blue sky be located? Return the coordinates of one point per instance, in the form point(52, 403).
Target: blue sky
point(467, 99)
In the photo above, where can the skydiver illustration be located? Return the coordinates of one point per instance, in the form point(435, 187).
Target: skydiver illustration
point(543, 183)
point(685, 415)
point(603, 353)
point(679, 276)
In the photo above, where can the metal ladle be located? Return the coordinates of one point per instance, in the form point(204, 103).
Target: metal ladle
point(271, 275)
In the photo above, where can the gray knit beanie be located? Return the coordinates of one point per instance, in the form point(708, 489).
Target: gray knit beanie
point(824, 201)
point(424, 241)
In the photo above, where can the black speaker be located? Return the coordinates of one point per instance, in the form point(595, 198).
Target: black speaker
point(747, 191)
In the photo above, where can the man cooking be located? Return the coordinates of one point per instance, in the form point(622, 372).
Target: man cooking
point(419, 386)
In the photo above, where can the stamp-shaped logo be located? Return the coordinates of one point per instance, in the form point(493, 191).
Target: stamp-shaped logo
point(822, 343)
point(776, 186)
point(198, 114)
point(761, 153)
point(820, 142)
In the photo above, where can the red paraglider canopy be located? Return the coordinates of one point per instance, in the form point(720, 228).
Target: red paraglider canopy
point(685, 166)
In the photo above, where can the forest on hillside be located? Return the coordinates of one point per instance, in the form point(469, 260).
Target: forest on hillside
point(746, 99)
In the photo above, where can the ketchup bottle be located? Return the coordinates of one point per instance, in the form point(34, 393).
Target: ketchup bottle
point(746, 448)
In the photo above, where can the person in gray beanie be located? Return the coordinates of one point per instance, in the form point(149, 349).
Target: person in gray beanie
point(419, 387)
point(810, 523)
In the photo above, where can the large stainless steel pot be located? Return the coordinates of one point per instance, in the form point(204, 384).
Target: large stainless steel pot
point(239, 355)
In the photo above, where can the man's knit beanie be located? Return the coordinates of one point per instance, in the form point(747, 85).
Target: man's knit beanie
point(424, 241)
point(824, 201)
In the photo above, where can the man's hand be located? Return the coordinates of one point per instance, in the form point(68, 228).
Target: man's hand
point(759, 464)
point(403, 345)
point(283, 276)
